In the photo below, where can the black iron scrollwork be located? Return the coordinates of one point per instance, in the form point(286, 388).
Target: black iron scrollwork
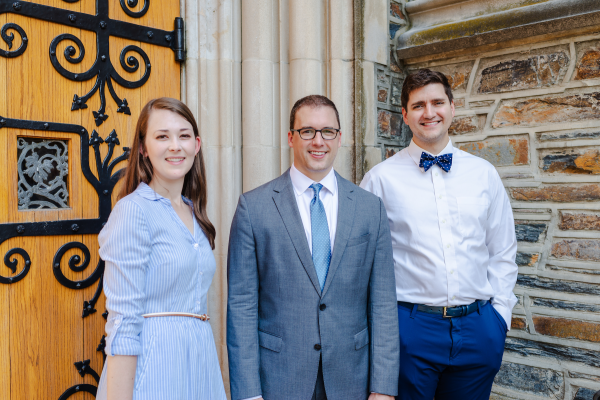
point(83, 367)
point(77, 265)
point(104, 27)
point(9, 40)
point(102, 346)
point(12, 264)
point(103, 185)
point(133, 3)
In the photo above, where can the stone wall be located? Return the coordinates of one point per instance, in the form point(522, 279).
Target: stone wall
point(533, 111)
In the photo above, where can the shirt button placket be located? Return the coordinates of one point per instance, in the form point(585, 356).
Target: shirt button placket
point(445, 231)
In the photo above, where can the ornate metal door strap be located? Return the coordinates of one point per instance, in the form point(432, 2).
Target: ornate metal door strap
point(83, 367)
point(104, 27)
point(103, 185)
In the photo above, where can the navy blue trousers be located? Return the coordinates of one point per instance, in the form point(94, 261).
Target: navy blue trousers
point(449, 358)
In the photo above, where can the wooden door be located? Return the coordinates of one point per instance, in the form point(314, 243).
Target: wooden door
point(74, 75)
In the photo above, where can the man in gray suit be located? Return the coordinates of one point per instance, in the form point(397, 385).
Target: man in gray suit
point(312, 309)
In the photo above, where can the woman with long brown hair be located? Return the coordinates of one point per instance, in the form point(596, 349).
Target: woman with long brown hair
point(157, 247)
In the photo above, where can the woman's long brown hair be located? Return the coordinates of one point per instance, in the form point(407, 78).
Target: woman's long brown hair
point(140, 169)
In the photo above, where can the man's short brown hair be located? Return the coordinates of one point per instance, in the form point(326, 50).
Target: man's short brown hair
point(313, 101)
point(421, 78)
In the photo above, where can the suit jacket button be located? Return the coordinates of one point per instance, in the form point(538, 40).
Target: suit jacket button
point(323, 307)
point(317, 346)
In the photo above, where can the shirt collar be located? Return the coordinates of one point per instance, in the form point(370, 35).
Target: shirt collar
point(149, 194)
point(302, 182)
point(415, 151)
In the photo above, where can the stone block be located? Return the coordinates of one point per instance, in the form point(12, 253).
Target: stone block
point(480, 104)
point(382, 94)
point(396, 125)
point(396, 10)
point(516, 175)
point(566, 328)
point(579, 221)
point(589, 65)
point(393, 64)
point(527, 259)
point(578, 375)
point(383, 123)
point(524, 378)
point(546, 110)
point(501, 151)
point(584, 394)
point(459, 103)
point(558, 193)
point(396, 92)
point(383, 78)
point(588, 61)
point(571, 161)
point(564, 305)
point(395, 27)
point(552, 351)
point(457, 74)
point(559, 285)
point(518, 71)
point(578, 249)
point(530, 231)
point(561, 135)
point(573, 271)
point(518, 323)
point(467, 124)
point(390, 125)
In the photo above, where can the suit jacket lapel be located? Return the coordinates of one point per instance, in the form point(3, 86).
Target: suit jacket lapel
point(346, 205)
point(285, 200)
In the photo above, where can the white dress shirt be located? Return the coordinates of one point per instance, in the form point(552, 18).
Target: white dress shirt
point(304, 195)
point(453, 234)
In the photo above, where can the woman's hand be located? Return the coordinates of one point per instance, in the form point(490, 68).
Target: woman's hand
point(120, 374)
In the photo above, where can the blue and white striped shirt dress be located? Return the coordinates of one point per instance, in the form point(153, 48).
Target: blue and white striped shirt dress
point(155, 264)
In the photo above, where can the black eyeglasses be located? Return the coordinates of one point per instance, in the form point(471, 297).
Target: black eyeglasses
point(309, 133)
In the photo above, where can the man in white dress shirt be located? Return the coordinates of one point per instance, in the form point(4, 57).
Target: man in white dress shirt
point(311, 307)
point(454, 247)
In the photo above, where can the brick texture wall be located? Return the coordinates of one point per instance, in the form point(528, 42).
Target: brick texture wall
point(534, 113)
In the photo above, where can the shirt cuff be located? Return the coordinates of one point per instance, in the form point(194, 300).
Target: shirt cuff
point(124, 346)
point(505, 313)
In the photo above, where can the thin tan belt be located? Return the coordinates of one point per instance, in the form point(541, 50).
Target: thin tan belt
point(203, 317)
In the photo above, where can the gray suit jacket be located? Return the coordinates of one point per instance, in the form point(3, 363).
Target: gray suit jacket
point(279, 323)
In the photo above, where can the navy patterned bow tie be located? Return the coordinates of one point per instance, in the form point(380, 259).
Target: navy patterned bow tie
point(444, 161)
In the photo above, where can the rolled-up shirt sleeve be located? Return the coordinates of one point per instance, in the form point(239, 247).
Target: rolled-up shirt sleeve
point(501, 242)
point(125, 248)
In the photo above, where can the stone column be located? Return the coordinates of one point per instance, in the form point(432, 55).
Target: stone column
point(341, 78)
point(212, 91)
point(284, 87)
point(372, 48)
point(307, 48)
point(260, 92)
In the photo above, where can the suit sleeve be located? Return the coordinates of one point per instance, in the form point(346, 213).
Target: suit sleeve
point(242, 307)
point(383, 314)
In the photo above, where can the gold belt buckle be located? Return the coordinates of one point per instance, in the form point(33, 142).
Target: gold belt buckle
point(446, 316)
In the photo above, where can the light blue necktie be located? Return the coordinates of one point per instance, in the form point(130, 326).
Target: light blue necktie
point(321, 245)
